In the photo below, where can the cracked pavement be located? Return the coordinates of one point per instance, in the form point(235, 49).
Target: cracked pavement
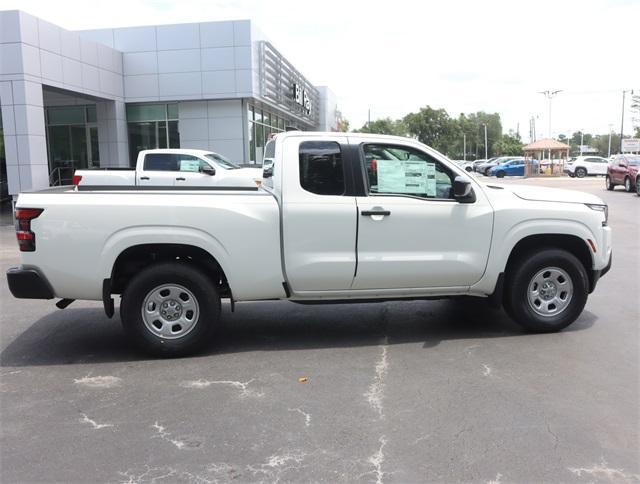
point(420, 391)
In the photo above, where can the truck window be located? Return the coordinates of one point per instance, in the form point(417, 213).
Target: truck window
point(321, 167)
point(160, 162)
point(402, 170)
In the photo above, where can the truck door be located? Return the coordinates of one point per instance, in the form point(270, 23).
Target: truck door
point(191, 172)
point(318, 217)
point(412, 233)
point(158, 169)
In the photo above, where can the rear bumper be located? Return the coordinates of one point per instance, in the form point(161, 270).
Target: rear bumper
point(28, 284)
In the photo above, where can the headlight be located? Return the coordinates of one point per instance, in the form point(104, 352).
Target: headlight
point(600, 208)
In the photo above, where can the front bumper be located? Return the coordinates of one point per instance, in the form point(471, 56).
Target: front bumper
point(28, 284)
point(597, 274)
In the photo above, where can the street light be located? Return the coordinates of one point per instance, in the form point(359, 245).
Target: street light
point(550, 95)
point(581, 140)
point(622, 120)
point(464, 147)
point(610, 129)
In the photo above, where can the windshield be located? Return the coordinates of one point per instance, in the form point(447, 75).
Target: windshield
point(633, 160)
point(221, 161)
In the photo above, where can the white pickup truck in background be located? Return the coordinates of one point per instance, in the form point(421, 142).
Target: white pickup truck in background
point(339, 217)
point(173, 167)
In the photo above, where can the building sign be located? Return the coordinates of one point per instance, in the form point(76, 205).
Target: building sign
point(630, 145)
point(301, 96)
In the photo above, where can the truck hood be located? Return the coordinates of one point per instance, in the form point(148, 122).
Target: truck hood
point(544, 194)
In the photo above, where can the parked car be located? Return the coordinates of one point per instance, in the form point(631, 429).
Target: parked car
point(173, 167)
point(422, 227)
point(581, 166)
point(487, 165)
point(624, 170)
point(515, 167)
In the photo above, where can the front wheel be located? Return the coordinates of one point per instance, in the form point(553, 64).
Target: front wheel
point(609, 183)
point(581, 172)
point(638, 186)
point(627, 184)
point(500, 174)
point(546, 290)
point(170, 309)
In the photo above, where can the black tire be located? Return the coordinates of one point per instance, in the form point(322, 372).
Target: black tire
point(571, 175)
point(638, 186)
point(468, 169)
point(628, 187)
point(500, 174)
point(581, 172)
point(179, 274)
point(521, 273)
point(609, 183)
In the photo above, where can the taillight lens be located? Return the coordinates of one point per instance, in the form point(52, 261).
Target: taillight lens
point(76, 180)
point(26, 238)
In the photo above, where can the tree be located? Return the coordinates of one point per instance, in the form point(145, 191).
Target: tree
point(433, 127)
point(384, 126)
point(342, 123)
point(509, 144)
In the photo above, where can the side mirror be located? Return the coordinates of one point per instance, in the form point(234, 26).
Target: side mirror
point(463, 191)
point(208, 170)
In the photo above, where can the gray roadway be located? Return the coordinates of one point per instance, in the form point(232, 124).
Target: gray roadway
point(395, 392)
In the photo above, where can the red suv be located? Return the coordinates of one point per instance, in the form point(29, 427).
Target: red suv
point(624, 170)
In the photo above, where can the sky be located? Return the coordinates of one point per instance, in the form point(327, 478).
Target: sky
point(391, 58)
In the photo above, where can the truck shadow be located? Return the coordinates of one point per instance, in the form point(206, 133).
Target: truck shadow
point(85, 335)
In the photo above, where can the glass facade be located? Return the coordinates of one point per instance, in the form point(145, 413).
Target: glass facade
point(261, 124)
point(152, 126)
point(72, 140)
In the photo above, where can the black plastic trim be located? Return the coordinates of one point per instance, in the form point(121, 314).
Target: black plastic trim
point(596, 275)
point(107, 300)
point(135, 188)
point(28, 284)
point(495, 299)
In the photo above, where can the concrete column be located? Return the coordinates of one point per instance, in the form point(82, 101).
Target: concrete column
point(24, 135)
point(112, 134)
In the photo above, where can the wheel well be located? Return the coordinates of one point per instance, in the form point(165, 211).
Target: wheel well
point(134, 259)
point(571, 243)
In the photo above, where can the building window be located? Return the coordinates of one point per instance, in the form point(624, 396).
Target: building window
point(261, 125)
point(72, 140)
point(152, 126)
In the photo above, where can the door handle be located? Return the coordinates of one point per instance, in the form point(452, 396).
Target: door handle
point(375, 212)
point(180, 179)
point(144, 178)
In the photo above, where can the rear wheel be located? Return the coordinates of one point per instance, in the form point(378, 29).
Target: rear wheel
point(581, 172)
point(170, 309)
point(546, 290)
point(627, 184)
point(609, 183)
point(638, 186)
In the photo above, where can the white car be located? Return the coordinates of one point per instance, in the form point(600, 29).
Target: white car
point(338, 217)
point(582, 166)
point(173, 167)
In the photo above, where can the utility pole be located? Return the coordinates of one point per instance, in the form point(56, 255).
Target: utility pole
point(622, 117)
point(550, 95)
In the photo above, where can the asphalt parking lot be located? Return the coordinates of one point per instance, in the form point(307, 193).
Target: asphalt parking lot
point(439, 391)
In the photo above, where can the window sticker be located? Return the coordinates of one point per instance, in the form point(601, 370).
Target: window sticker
point(190, 165)
point(414, 177)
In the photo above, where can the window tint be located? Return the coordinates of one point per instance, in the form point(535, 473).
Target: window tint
point(406, 171)
point(189, 163)
point(321, 169)
point(160, 162)
point(270, 149)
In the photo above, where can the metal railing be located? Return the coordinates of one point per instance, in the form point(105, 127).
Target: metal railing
point(61, 175)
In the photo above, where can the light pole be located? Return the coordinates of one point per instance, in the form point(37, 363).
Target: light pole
point(622, 117)
point(581, 141)
point(550, 95)
point(486, 148)
point(610, 128)
point(464, 146)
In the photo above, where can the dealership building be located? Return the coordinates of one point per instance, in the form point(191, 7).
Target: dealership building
point(95, 98)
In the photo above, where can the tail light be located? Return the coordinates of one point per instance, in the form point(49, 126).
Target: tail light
point(26, 238)
point(76, 180)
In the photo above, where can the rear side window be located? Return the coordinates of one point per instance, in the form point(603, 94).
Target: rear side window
point(321, 168)
point(160, 162)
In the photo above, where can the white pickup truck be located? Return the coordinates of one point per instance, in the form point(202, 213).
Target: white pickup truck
point(172, 168)
point(339, 217)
